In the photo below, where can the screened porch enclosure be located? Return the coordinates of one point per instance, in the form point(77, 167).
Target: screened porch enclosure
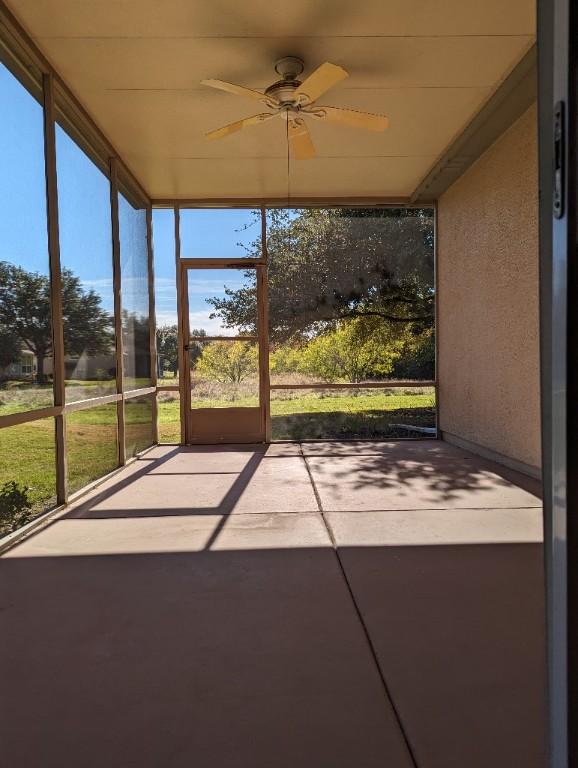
point(322, 318)
point(216, 318)
point(263, 324)
point(270, 405)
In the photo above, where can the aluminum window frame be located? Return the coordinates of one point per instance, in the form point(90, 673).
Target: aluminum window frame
point(37, 76)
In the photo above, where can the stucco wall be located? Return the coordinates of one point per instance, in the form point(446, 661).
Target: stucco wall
point(488, 319)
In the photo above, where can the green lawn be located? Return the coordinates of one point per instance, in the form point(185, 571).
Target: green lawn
point(301, 415)
point(28, 456)
point(347, 414)
point(92, 444)
point(27, 451)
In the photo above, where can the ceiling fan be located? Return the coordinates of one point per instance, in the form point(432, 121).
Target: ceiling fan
point(292, 100)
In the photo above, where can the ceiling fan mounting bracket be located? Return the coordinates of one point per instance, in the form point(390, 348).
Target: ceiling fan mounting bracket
point(289, 67)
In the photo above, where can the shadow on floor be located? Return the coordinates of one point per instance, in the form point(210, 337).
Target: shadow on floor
point(256, 657)
point(239, 482)
point(406, 474)
point(437, 480)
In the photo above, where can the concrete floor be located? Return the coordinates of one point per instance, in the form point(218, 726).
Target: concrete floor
point(326, 605)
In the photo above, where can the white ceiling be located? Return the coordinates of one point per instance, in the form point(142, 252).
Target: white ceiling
point(429, 65)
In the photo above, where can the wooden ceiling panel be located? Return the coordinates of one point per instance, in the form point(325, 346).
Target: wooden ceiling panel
point(222, 178)
point(316, 18)
point(161, 64)
point(137, 65)
point(174, 124)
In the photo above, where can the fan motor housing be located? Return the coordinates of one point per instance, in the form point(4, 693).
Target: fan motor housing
point(284, 91)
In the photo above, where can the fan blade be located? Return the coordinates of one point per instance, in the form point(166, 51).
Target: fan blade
point(300, 140)
point(352, 117)
point(324, 78)
point(226, 130)
point(238, 90)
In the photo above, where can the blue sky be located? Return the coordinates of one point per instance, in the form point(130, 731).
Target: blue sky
point(84, 218)
point(23, 239)
point(204, 233)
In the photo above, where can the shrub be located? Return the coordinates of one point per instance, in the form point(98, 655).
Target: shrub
point(228, 361)
point(15, 508)
point(357, 349)
point(417, 360)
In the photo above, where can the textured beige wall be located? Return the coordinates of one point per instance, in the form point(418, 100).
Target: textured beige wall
point(488, 298)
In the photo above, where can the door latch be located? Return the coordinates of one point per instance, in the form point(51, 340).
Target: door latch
point(559, 159)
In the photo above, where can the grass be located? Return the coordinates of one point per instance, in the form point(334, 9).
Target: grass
point(303, 414)
point(92, 445)
point(27, 452)
point(346, 414)
point(17, 397)
point(28, 456)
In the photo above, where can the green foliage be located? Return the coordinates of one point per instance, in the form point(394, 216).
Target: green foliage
point(357, 349)
point(285, 358)
point(25, 321)
point(9, 347)
point(228, 361)
point(168, 347)
point(136, 344)
point(417, 358)
point(331, 264)
point(336, 357)
point(15, 508)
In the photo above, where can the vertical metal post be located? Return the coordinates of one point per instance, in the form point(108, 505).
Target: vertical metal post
point(263, 332)
point(152, 320)
point(55, 287)
point(185, 333)
point(436, 320)
point(558, 108)
point(116, 282)
point(181, 337)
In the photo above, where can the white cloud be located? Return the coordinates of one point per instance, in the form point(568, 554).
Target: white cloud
point(196, 320)
point(98, 285)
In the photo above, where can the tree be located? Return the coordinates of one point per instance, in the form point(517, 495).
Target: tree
point(25, 321)
point(228, 361)
point(136, 344)
point(168, 347)
point(357, 349)
point(285, 358)
point(333, 264)
point(417, 358)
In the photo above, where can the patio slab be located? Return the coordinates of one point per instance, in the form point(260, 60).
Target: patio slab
point(250, 654)
point(435, 527)
point(456, 616)
point(383, 482)
point(421, 449)
point(209, 482)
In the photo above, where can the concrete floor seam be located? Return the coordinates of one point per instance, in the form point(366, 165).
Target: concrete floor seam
point(357, 610)
point(429, 509)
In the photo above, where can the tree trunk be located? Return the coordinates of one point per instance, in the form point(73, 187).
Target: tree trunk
point(40, 375)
